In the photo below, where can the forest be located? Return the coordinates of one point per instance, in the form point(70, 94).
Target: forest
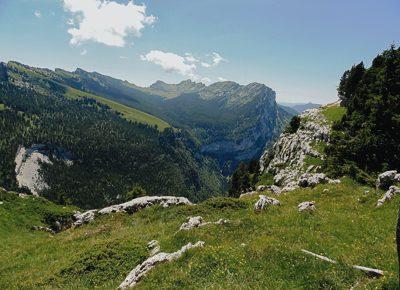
point(110, 154)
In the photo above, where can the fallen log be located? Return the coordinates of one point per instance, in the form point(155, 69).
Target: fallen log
point(369, 271)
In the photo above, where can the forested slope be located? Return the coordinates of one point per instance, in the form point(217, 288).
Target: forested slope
point(110, 154)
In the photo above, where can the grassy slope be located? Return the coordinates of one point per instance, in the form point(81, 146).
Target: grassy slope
point(102, 253)
point(128, 113)
point(333, 113)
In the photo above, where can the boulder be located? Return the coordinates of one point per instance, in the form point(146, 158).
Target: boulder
point(393, 190)
point(387, 179)
point(83, 218)
point(192, 222)
point(307, 206)
point(311, 180)
point(275, 189)
point(264, 202)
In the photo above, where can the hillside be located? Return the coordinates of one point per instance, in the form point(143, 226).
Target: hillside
point(39, 79)
point(231, 122)
point(109, 155)
point(254, 250)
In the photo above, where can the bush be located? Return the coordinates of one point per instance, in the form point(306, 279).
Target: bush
point(137, 191)
point(293, 125)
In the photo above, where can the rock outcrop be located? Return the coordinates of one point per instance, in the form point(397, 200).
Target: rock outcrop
point(154, 247)
point(197, 221)
point(264, 202)
point(286, 159)
point(28, 163)
point(388, 178)
point(142, 269)
point(393, 190)
point(131, 206)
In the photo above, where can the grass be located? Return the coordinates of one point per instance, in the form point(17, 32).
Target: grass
point(128, 113)
point(255, 251)
point(333, 113)
point(310, 160)
point(2, 107)
point(266, 179)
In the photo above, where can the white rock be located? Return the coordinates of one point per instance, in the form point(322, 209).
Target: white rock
point(83, 218)
point(262, 188)
point(275, 189)
point(197, 221)
point(307, 206)
point(250, 193)
point(393, 190)
point(145, 201)
point(154, 247)
point(142, 269)
point(192, 222)
point(130, 207)
point(264, 202)
point(312, 179)
point(386, 179)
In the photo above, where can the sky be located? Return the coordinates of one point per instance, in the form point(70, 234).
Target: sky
point(298, 48)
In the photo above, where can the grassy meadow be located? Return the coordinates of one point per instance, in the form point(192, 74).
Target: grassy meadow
point(256, 250)
point(129, 113)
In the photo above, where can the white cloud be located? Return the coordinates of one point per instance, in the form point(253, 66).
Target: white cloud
point(221, 79)
point(105, 21)
point(190, 58)
point(84, 52)
point(186, 65)
point(38, 14)
point(216, 59)
point(123, 57)
point(171, 62)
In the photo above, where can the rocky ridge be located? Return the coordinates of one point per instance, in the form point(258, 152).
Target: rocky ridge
point(286, 160)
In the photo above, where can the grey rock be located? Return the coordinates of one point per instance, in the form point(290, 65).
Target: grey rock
point(154, 247)
point(197, 221)
point(311, 180)
point(142, 269)
point(264, 202)
point(43, 229)
point(308, 206)
point(262, 187)
point(83, 218)
point(250, 193)
point(130, 207)
point(143, 202)
point(393, 190)
point(387, 179)
point(286, 158)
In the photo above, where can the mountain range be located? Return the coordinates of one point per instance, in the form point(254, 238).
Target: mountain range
point(179, 139)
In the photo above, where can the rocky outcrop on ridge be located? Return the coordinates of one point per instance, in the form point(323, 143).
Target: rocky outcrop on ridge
point(131, 206)
point(286, 159)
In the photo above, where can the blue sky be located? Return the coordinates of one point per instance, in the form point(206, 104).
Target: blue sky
point(298, 48)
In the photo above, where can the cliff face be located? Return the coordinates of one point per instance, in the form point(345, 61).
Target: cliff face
point(233, 122)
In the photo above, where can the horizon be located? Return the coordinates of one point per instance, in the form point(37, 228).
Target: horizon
point(301, 56)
